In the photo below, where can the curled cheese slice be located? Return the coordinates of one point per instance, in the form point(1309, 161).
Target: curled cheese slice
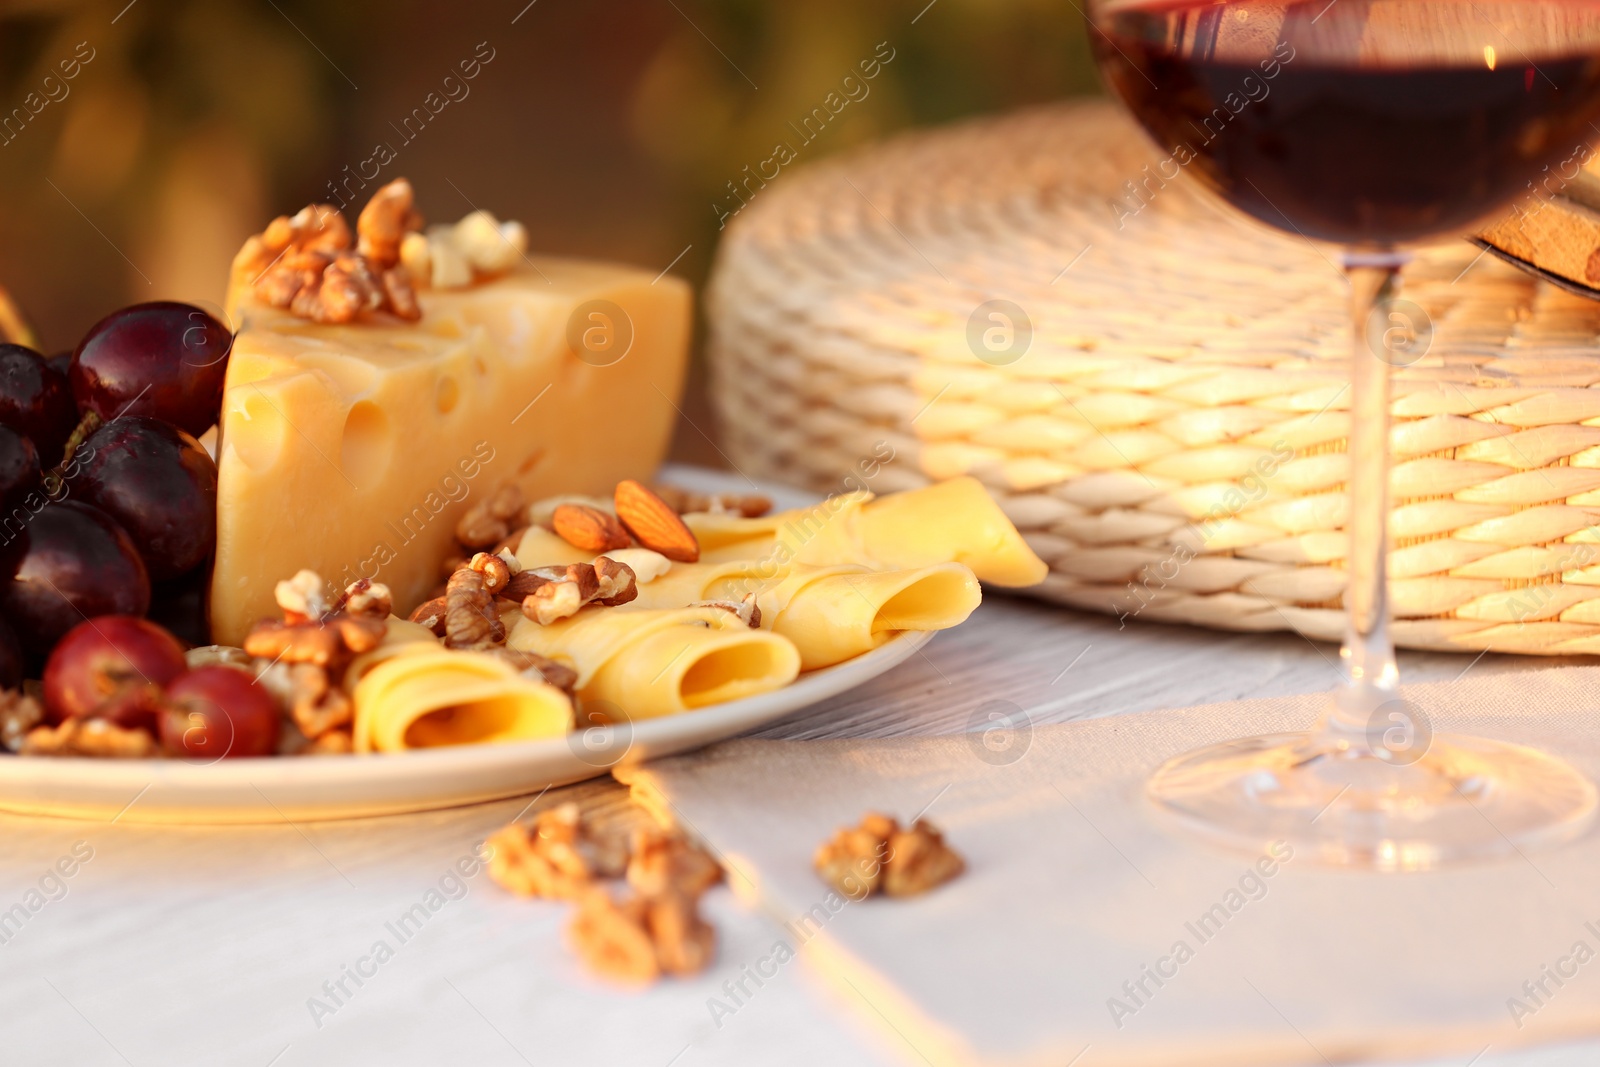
point(830, 613)
point(654, 662)
point(833, 614)
point(687, 583)
point(954, 521)
point(424, 696)
point(400, 637)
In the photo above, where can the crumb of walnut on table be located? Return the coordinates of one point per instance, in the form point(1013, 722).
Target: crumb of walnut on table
point(612, 937)
point(556, 856)
point(878, 855)
point(664, 861)
point(635, 938)
point(648, 926)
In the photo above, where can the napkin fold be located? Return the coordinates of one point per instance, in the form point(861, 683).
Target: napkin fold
point(1089, 931)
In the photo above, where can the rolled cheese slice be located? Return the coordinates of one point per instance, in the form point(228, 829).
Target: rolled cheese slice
point(954, 521)
point(654, 662)
point(425, 696)
point(830, 613)
point(838, 614)
point(399, 638)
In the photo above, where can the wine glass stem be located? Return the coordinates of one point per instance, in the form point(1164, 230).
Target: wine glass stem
point(1371, 677)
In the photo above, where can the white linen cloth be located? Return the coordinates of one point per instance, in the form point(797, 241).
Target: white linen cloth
point(1077, 891)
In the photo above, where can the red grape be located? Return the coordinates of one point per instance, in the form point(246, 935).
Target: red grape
point(19, 468)
point(163, 359)
point(112, 667)
point(36, 401)
point(159, 484)
point(74, 563)
point(216, 712)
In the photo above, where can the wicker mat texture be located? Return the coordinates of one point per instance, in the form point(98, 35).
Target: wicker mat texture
point(1155, 389)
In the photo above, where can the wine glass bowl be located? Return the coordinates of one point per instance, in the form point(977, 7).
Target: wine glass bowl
point(1373, 124)
point(1368, 124)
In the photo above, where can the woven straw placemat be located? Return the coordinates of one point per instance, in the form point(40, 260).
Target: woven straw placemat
point(1160, 400)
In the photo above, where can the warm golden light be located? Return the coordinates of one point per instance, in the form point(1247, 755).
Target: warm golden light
point(1488, 56)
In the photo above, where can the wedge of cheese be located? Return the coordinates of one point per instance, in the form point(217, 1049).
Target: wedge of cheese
point(353, 450)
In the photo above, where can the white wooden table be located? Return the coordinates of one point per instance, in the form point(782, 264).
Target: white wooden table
point(213, 946)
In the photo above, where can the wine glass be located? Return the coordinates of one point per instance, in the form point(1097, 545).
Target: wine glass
point(1374, 124)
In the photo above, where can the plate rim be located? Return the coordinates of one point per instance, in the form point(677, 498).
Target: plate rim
point(810, 689)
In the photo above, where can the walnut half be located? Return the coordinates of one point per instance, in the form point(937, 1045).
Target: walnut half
point(665, 862)
point(88, 737)
point(879, 856)
point(549, 594)
point(558, 856)
point(305, 263)
point(637, 938)
point(919, 860)
point(19, 713)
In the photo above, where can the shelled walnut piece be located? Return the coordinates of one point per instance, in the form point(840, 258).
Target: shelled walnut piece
point(636, 939)
point(467, 616)
point(655, 929)
point(879, 856)
point(313, 631)
point(302, 659)
point(471, 620)
point(553, 593)
point(491, 520)
point(556, 857)
point(664, 861)
point(19, 714)
point(305, 263)
point(540, 668)
point(89, 737)
point(687, 501)
point(745, 608)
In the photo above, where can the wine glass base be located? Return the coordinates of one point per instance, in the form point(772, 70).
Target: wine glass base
point(1465, 799)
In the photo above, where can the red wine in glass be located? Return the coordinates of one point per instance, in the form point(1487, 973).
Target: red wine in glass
point(1374, 124)
point(1368, 124)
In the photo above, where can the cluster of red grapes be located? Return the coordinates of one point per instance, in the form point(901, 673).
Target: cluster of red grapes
point(108, 502)
point(134, 673)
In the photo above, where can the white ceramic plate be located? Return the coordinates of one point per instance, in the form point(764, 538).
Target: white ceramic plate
point(346, 787)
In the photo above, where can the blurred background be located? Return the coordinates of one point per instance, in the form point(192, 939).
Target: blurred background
point(609, 127)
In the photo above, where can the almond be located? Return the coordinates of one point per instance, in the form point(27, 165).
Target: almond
point(654, 524)
point(588, 528)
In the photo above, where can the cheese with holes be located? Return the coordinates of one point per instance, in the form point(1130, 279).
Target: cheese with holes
point(353, 450)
